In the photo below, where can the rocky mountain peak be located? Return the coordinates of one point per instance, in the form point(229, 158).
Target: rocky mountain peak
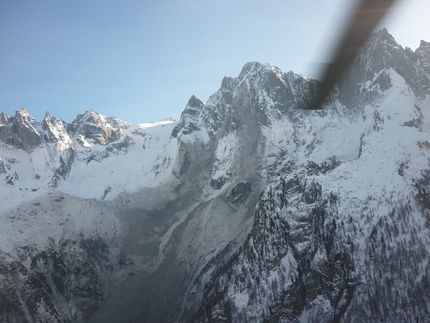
point(255, 210)
point(4, 119)
point(20, 130)
point(56, 129)
point(228, 83)
point(47, 120)
point(94, 128)
point(23, 114)
point(194, 102)
point(47, 115)
point(424, 45)
point(280, 92)
point(189, 117)
point(90, 116)
point(260, 94)
point(383, 37)
point(380, 52)
point(423, 56)
point(24, 118)
point(254, 69)
point(370, 74)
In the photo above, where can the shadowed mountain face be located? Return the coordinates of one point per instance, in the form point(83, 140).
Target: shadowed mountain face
point(247, 209)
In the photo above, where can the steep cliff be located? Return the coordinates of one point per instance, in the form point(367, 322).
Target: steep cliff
point(247, 209)
point(344, 240)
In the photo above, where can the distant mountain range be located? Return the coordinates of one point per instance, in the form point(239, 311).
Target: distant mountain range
point(248, 209)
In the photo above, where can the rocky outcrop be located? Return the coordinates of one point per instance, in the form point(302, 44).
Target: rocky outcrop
point(64, 283)
point(19, 131)
point(93, 127)
point(293, 260)
point(56, 132)
point(326, 245)
point(61, 141)
point(369, 74)
point(339, 234)
point(239, 193)
point(189, 118)
point(25, 295)
point(421, 56)
point(306, 260)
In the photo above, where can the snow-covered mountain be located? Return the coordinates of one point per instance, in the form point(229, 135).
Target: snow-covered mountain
point(345, 239)
point(247, 209)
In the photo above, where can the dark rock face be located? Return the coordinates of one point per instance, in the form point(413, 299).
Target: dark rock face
point(370, 76)
point(33, 297)
point(65, 165)
point(5, 136)
point(79, 278)
point(258, 93)
point(292, 261)
point(302, 261)
point(189, 117)
point(421, 56)
point(19, 131)
point(238, 194)
point(23, 127)
point(64, 283)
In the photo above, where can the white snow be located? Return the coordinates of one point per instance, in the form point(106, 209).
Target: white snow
point(86, 184)
point(372, 149)
point(241, 300)
point(147, 163)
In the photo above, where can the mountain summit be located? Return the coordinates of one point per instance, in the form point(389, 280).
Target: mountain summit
point(247, 209)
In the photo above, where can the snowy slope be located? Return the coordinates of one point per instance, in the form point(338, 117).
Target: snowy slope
point(51, 204)
point(106, 221)
point(343, 239)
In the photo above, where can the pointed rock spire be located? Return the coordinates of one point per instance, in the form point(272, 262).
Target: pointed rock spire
point(4, 119)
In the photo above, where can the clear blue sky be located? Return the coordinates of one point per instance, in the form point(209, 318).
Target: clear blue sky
point(142, 60)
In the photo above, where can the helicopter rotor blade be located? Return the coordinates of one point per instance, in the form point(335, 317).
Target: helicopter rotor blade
point(364, 19)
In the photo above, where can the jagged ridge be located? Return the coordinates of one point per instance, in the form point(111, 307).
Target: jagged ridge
point(184, 195)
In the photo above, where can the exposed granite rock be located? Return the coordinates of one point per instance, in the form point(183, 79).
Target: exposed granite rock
point(95, 128)
point(19, 131)
point(189, 118)
point(56, 132)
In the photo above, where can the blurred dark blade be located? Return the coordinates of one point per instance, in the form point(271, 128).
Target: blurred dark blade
point(364, 20)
